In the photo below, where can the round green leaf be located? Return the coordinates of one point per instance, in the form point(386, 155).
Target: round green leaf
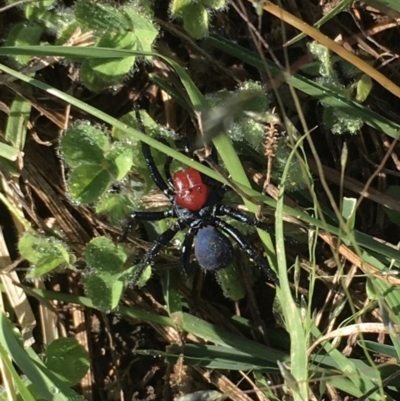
point(143, 28)
point(103, 256)
point(83, 144)
point(120, 160)
point(67, 359)
point(104, 290)
point(87, 183)
point(112, 69)
point(195, 20)
point(91, 79)
point(45, 253)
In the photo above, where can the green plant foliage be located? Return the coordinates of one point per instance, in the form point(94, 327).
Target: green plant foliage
point(231, 283)
point(83, 144)
point(364, 87)
point(243, 115)
point(295, 178)
point(23, 34)
point(116, 206)
point(97, 74)
point(337, 120)
point(66, 358)
point(105, 278)
point(45, 14)
point(127, 27)
point(229, 109)
point(195, 20)
point(153, 130)
point(95, 163)
point(45, 253)
point(104, 257)
point(116, 28)
point(103, 282)
point(195, 14)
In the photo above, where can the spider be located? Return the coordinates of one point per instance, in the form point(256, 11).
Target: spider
point(198, 209)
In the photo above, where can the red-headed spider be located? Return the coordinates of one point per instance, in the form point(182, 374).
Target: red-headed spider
point(197, 209)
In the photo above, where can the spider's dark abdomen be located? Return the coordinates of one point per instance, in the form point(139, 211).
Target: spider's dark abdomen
point(190, 191)
point(213, 250)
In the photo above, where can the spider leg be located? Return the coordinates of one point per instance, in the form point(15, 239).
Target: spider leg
point(148, 216)
point(247, 247)
point(167, 169)
point(154, 172)
point(187, 249)
point(160, 242)
point(225, 210)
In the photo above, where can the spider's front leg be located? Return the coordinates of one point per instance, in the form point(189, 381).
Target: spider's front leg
point(148, 216)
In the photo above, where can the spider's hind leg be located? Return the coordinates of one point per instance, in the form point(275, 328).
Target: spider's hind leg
point(238, 215)
point(253, 254)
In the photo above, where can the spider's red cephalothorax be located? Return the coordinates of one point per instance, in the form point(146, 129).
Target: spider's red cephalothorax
point(197, 207)
point(190, 190)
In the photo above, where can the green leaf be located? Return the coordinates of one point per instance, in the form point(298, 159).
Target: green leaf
point(219, 119)
point(177, 7)
point(104, 257)
point(113, 70)
point(349, 211)
point(144, 278)
point(105, 281)
point(123, 28)
point(231, 283)
point(23, 34)
point(46, 382)
point(45, 253)
point(87, 183)
point(120, 160)
point(103, 17)
point(364, 87)
point(143, 28)
point(20, 383)
point(309, 87)
point(66, 358)
point(117, 206)
point(105, 290)
point(91, 79)
point(195, 20)
point(84, 144)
